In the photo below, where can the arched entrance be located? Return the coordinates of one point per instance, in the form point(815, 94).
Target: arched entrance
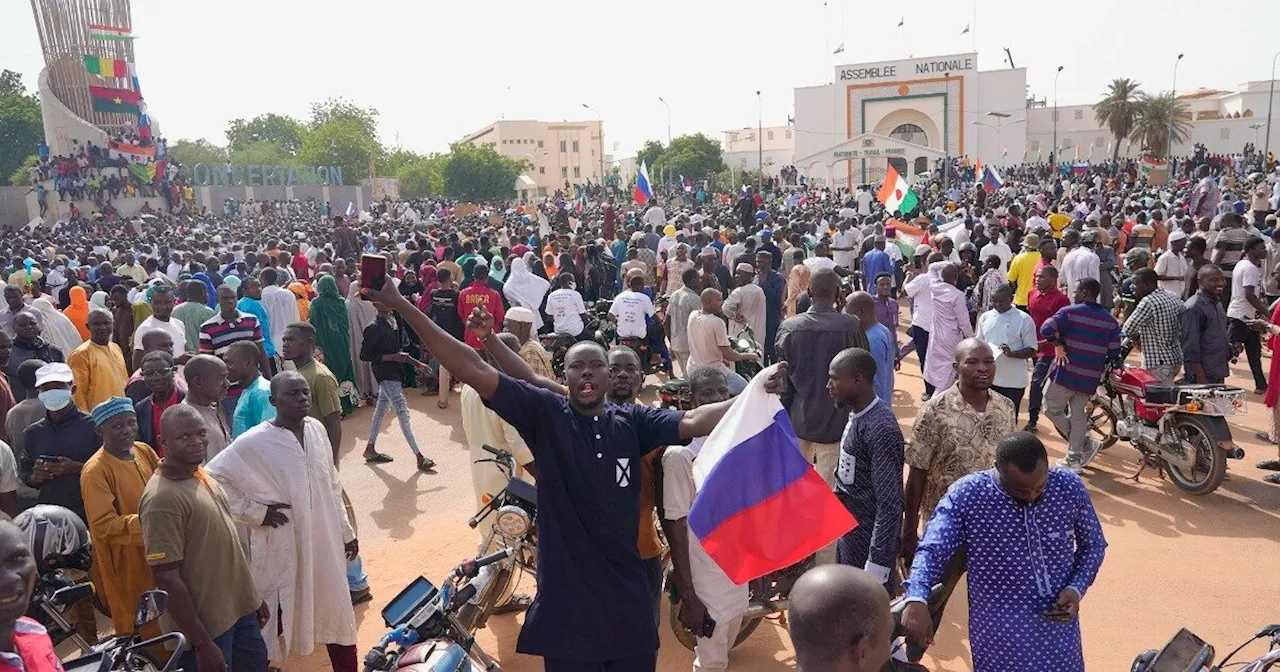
point(910, 133)
point(922, 165)
point(899, 164)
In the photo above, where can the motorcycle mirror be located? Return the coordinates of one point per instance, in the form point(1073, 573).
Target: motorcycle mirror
point(150, 607)
point(69, 595)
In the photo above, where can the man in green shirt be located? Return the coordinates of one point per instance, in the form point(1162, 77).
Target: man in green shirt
point(193, 312)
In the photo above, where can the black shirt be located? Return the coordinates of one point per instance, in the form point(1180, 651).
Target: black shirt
point(593, 599)
point(444, 311)
point(72, 437)
point(41, 350)
point(380, 338)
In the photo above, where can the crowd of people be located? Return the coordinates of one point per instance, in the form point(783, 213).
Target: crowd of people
point(180, 384)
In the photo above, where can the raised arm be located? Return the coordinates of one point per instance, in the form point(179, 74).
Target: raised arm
point(462, 362)
point(481, 324)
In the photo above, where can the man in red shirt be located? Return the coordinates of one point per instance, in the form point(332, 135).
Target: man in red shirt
point(479, 293)
point(300, 263)
point(610, 218)
point(1045, 300)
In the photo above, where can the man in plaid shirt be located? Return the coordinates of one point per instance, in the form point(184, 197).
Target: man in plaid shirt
point(1156, 323)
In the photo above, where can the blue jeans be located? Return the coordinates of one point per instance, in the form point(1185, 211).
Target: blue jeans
point(242, 647)
point(391, 393)
point(357, 580)
point(1038, 376)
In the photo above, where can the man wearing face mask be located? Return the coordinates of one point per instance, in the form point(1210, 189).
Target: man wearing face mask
point(58, 446)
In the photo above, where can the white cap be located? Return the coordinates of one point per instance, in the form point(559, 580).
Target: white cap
point(56, 372)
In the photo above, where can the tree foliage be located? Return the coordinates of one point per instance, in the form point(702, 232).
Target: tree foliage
point(1155, 113)
point(694, 156)
point(341, 108)
point(21, 126)
point(478, 173)
point(191, 152)
point(20, 176)
point(265, 152)
point(423, 177)
point(340, 141)
point(283, 131)
point(1118, 110)
point(649, 154)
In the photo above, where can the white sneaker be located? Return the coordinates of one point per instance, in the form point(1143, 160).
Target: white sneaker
point(1091, 451)
point(1074, 468)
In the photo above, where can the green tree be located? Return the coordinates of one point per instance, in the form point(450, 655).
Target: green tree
point(649, 154)
point(1118, 110)
point(694, 156)
point(1155, 113)
point(343, 142)
point(266, 153)
point(191, 152)
point(20, 176)
point(423, 177)
point(478, 173)
point(340, 108)
point(21, 127)
point(391, 163)
point(283, 131)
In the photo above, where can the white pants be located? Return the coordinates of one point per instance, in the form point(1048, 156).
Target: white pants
point(824, 457)
point(711, 654)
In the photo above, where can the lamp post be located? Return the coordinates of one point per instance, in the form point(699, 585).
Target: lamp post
point(760, 140)
point(1173, 109)
point(1255, 128)
point(668, 105)
point(1053, 155)
point(1266, 149)
point(999, 127)
point(600, 153)
point(946, 148)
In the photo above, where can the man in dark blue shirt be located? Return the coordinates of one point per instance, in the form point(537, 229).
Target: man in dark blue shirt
point(592, 611)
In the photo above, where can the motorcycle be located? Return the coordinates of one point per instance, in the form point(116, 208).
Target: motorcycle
point(1186, 652)
point(603, 332)
point(515, 511)
point(767, 596)
point(674, 394)
point(1180, 429)
point(125, 652)
point(425, 633)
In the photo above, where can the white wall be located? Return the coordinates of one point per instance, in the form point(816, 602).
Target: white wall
point(774, 160)
point(64, 132)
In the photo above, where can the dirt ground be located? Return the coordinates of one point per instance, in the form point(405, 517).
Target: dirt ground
point(1173, 560)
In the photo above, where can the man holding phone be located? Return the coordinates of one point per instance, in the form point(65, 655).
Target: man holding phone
point(1033, 546)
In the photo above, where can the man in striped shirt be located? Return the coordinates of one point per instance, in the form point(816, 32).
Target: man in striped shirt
point(231, 325)
point(1085, 338)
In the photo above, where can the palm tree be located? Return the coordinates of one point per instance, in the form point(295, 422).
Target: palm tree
point(1152, 127)
point(1118, 110)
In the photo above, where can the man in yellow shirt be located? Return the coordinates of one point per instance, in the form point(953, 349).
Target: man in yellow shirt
point(1022, 270)
point(98, 364)
point(1058, 222)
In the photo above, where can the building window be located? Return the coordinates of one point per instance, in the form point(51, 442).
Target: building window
point(1078, 115)
point(542, 170)
point(1033, 145)
point(788, 135)
point(577, 172)
point(562, 146)
point(908, 133)
point(539, 144)
point(575, 146)
point(770, 135)
point(733, 138)
point(1225, 133)
point(564, 172)
point(1055, 115)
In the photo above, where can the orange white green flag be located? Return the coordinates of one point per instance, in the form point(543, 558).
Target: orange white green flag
point(894, 193)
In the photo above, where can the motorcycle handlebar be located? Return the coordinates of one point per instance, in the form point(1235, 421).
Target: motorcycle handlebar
point(496, 452)
point(470, 568)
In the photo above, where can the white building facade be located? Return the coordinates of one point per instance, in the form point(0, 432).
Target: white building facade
point(768, 148)
point(909, 114)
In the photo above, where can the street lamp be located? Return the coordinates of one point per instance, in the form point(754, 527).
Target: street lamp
point(1173, 109)
point(1255, 128)
point(1270, 98)
point(999, 127)
point(1053, 156)
point(600, 119)
point(664, 102)
point(760, 139)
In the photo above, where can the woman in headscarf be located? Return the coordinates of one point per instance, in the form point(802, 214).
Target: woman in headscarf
point(797, 283)
point(497, 270)
point(208, 284)
point(429, 284)
point(328, 314)
point(58, 329)
point(411, 287)
point(98, 301)
point(303, 297)
point(526, 290)
point(78, 312)
point(360, 314)
point(550, 268)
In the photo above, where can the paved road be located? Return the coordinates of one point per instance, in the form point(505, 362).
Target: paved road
point(1205, 563)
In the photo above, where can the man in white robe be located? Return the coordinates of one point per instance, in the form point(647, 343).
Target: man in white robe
point(950, 325)
point(283, 490)
point(281, 306)
point(745, 306)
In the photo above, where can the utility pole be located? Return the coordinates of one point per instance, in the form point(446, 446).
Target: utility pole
point(1173, 109)
point(760, 140)
point(1053, 155)
point(1266, 145)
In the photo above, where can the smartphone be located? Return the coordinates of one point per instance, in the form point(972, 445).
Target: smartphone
point(373, 272)
point(48, 458)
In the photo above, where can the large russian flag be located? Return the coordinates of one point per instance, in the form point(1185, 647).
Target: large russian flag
point(760, 505)
point(643, 191)
point(991, 180)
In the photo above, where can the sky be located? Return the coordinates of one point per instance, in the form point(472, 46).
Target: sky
point(436, 71)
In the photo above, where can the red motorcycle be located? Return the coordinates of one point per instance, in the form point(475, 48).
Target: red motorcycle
point(1180, 429)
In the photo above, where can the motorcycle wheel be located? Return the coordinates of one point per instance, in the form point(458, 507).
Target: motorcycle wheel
point(1210, 462)
point(1102, 421)
point(474, 616)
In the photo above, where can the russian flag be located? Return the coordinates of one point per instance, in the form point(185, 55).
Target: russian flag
point(991, 180)
point(643, 191)
point(760, 505)
point(351, 209)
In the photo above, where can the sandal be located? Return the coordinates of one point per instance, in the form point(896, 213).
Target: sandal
point(1269, 465)
point(443, 403)
point(1273, 479)
point(1265, 436)
point(378, 458)
point(515, 605)
point(426, 464)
